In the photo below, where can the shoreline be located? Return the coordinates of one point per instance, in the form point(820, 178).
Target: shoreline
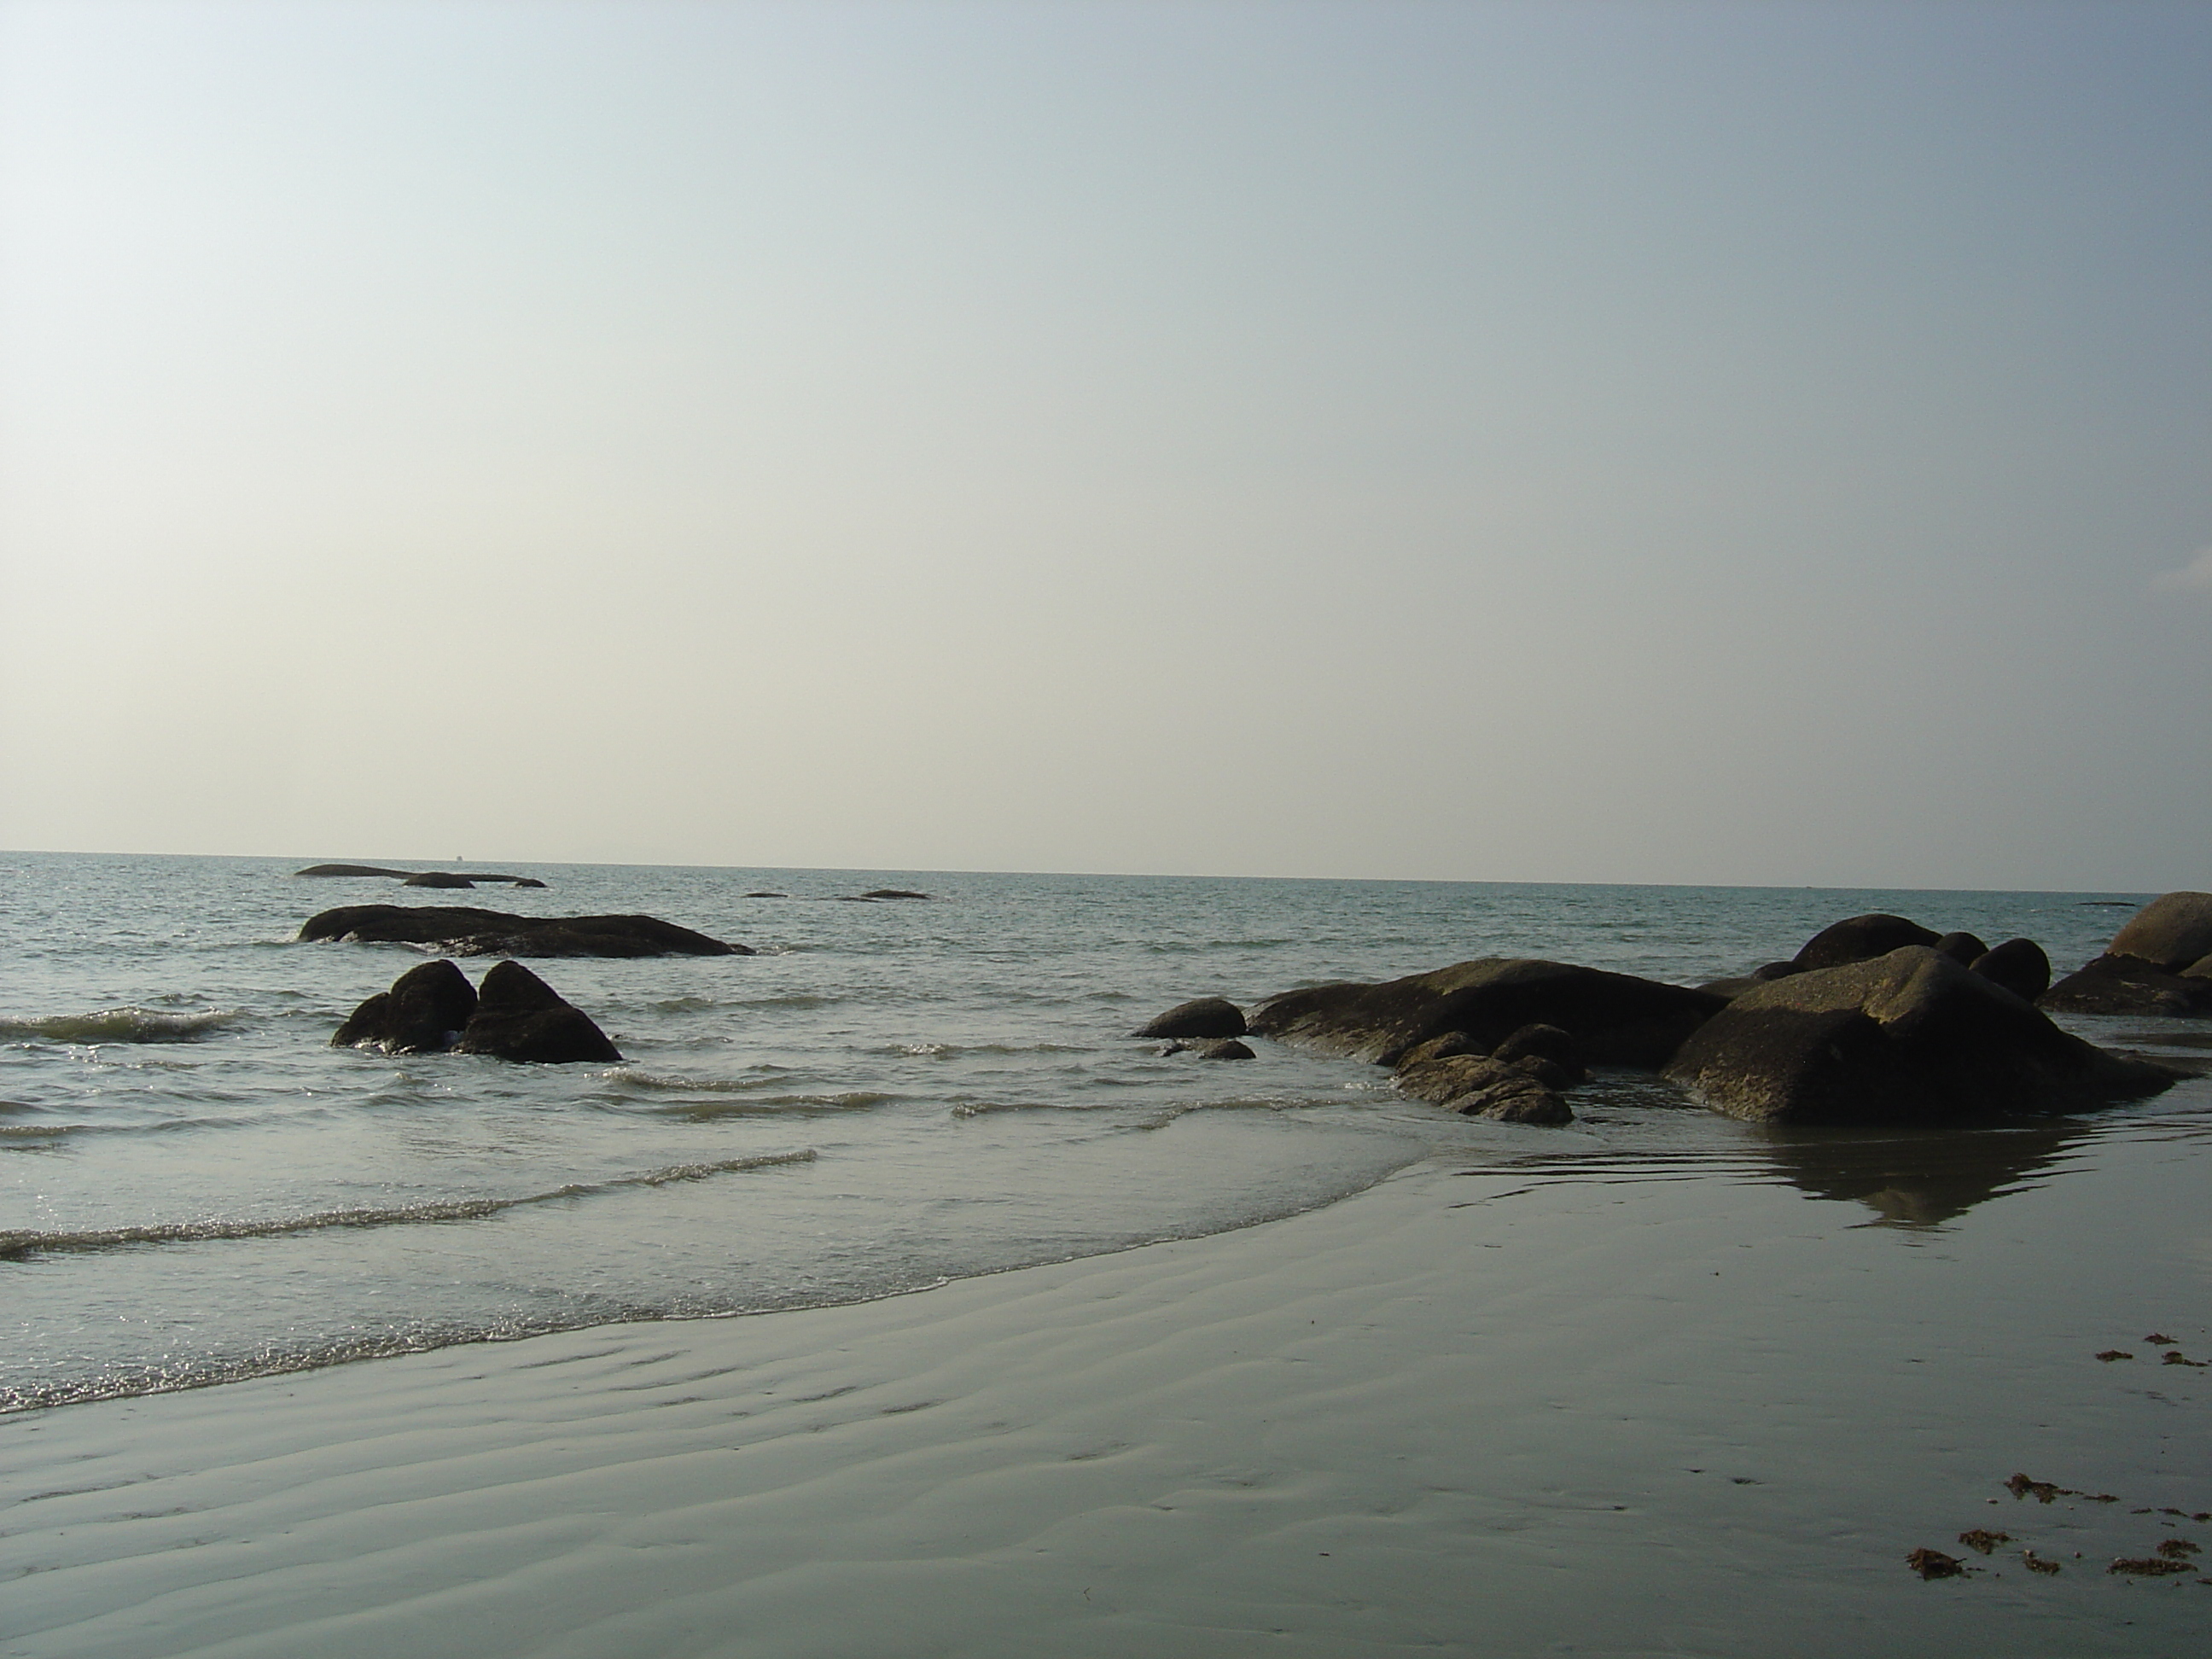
point(1629, 1407)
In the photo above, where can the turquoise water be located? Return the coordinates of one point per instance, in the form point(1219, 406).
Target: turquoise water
point(195, 1187)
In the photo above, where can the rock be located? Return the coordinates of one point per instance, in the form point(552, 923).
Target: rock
point(419, 878)
point(768, 896)
point(1522, 1100)
point(1549, 1044)
point(1450, 1077)
point(2128, 985)
point(2172, 932)
point(1729, 989)
point(1767, 970)
point(893, 893)
point(1909, 1037)
point(471, 933)
point(1212, 1048)
point(422, 1013)
point(520, 1017)
point(1617, 1018)
point(2018, 965)
point(1446, 1047)
point(1962, 948)
point(2199, 969)
point(1861, 938)
point(1203, 1016)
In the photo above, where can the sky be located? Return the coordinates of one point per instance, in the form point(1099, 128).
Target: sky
point(1754, 443)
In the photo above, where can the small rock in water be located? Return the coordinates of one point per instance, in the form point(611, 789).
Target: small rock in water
point(1983, 1540)
point(2035, 1563)
point(1934, 1564)
point(1202, 1017)
point(2110, 1354)
point(2148, 1567)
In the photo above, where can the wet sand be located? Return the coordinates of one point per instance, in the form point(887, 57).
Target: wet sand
point(1635, 1407)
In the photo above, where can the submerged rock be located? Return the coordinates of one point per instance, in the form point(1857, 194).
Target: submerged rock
point(520, 1017)
point(471, 933)
point(1616, 1018)
point(1210, 1048)
point(1202, 1017)
point(1909, 1037)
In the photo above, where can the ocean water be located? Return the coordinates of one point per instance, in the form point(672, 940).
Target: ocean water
point(196, 1186)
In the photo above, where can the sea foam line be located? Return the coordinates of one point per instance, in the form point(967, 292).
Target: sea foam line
point(18, 1246)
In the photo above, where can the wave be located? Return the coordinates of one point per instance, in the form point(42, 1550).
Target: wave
point(637, 1078)
point(960, 1050)
point(128, 1024)
point(18, 1246)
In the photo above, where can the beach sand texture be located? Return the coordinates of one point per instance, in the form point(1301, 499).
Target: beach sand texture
point(1592, 1406)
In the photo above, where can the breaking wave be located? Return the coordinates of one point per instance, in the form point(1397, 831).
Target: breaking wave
point(130, 1024)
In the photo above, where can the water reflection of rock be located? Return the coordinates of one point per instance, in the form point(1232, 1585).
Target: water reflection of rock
point(1920, 1178)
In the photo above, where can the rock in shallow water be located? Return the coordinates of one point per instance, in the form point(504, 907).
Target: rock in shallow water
point(1202, 1017)
point(471, 932)
point(424, 1013)
point(1909, 1037)
point(432, 1009)
point(1615, 1019)
point(520, 1017)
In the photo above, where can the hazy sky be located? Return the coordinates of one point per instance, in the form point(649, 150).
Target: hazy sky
point(1761, 443)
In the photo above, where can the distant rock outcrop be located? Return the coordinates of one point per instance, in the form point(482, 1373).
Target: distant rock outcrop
point(1909, 1036)
point(432, 1009)
point(419, 878)
point(471, 933)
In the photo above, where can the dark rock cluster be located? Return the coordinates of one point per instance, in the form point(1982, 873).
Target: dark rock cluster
point(434, 1009)
point(1875, 1020)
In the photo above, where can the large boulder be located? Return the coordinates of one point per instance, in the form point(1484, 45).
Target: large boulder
point(520, 1017)
point(2019, 964)
point(2154, 964)
point(2171, 932)
point(471, 933)
point(422, 1013)
point(1202, 1017)
point(1909, 1037)
point(1861, 938)
point(1615, 1019)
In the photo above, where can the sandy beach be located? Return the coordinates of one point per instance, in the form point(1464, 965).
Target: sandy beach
point(1576, 1407)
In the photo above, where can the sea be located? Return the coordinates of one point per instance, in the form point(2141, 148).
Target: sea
point(196, 1186)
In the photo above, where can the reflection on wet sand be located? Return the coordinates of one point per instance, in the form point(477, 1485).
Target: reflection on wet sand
point(1921, 1179)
